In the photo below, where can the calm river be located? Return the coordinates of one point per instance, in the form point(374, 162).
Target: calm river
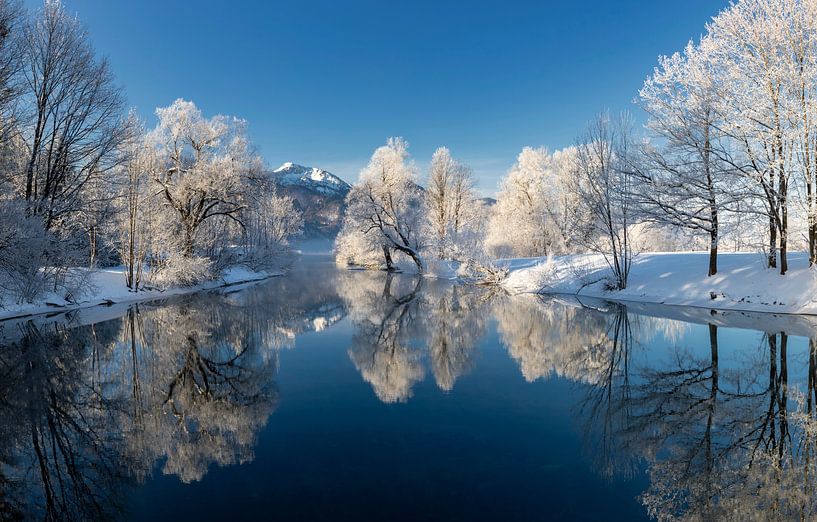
point(340, 395)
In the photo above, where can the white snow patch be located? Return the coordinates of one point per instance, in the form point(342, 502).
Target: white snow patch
point(441, 269)
point(742, 283)
point(107, 286)
point(320, 323)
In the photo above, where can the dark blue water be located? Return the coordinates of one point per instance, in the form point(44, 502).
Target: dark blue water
point(332, 395)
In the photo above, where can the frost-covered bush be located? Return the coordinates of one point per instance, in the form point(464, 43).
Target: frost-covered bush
point(180, 270)
point(32, 259)
point(482, 272)
point(541, 275)
point(354, 248)
point(270, 222)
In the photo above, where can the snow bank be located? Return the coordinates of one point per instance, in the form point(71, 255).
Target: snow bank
point(742, 282)
point(107, 286)
point(441, 269)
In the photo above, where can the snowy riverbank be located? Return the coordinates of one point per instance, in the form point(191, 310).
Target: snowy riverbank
point(107, 286)
point(742, 282)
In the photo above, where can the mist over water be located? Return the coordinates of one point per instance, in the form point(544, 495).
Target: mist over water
point(333, 394)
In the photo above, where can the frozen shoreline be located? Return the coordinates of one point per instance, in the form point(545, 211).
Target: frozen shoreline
point(108, 288)
point(678, 279)
point(741, 284)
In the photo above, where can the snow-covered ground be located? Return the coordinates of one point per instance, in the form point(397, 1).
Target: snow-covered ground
point(742, 282)
point(107, 286)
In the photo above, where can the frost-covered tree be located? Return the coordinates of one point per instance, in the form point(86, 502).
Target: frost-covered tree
point(438, 188)
point(271, 219)
point(535, 209)
point(762, 51)
point(385, 207)
point(192, 199)
point(60, 127)
point(76, 112)
point(741, 100)
point(354, 247)
point(204, 163)
point(450, 204)
point(564, 200)
point(687, 180)
point(604, 189)
point(137, 218)
point(81, 183)
point(519, 224)
point(12, 20)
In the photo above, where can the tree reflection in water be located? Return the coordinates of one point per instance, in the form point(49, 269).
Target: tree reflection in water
point(734, 448)
point(89, 412)
point(385, 323)
point(209, 387)
point(59, 456)
point(400, 320)
point(456, 323)
point(719, 443)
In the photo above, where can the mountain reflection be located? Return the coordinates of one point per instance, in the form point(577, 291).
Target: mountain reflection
point(723, 428)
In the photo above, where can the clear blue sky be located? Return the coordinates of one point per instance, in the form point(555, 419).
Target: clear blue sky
point(324, 82)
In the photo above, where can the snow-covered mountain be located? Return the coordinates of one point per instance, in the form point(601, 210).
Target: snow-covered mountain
point(319, 194)
point(311, 178)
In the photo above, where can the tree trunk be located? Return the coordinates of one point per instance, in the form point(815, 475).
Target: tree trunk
point(92, 241)
point(131, 251)
point(414, 257)
point(713, 253)
point(812, 206)
point(713, 209)
point(783, 188)
point(188, 247)
point(387, 255)
point(810, 215)
point(772, 242)
point(417, 261)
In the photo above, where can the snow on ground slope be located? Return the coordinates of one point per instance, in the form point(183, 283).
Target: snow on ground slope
point(742, 282)
point(107, 286)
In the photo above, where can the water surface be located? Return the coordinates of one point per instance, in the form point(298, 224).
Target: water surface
point(329, 395)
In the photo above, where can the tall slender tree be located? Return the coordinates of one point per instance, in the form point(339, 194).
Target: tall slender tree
point(77, 114)
point(687, 180)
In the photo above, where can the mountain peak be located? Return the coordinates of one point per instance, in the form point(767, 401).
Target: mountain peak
point(313, 179)
point(289, 166)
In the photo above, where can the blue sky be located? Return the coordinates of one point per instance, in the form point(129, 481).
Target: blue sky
point(323, 83)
